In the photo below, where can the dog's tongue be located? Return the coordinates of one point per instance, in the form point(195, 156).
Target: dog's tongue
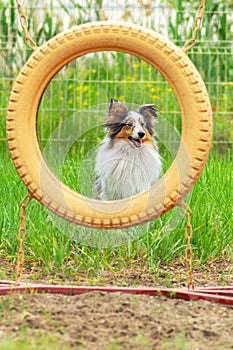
point(138, 142)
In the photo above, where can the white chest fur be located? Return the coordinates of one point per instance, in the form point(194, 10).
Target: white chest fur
point(124, 170)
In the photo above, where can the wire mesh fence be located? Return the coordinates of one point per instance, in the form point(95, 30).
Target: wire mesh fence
point(88, 83)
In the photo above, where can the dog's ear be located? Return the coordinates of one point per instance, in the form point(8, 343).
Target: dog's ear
point(149, 113)
point(117, 111)
point(116, 114)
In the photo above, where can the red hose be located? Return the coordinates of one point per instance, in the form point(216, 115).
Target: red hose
point(223, 295)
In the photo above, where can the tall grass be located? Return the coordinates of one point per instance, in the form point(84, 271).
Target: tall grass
point(48, 246)
point(122, 77)
point(48, 19)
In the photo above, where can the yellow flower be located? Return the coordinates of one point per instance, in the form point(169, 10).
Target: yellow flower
point(85, 88)
point(230, 83)
point(154, 89)
point(154, 97)
point(136, 65)
point(128, 78)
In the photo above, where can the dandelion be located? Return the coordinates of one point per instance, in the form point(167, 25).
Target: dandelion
point(227, 83)
point(85, 88)
point(136, 65)
point(154, 89)
point(154, 97)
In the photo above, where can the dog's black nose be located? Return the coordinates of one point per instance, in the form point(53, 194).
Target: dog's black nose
point(141, 134)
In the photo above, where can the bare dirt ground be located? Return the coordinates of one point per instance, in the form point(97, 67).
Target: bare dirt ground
point(120, 321)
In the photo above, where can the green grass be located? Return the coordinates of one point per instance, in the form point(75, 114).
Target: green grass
point(45, 245)
point(92, 81)
point(50, 241)
point(36, 341)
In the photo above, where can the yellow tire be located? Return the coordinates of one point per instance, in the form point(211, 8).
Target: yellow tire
point(164, 56)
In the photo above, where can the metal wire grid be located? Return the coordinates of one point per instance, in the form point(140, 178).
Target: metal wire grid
point(90, 82)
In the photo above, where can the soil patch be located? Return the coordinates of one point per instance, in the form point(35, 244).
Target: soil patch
point(120, 321)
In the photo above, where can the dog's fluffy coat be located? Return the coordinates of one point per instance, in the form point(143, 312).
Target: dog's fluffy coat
point(127, 161)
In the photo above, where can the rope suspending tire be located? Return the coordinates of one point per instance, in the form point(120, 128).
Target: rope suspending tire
point(164, 56)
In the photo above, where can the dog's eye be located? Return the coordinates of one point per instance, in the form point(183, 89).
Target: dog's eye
point(143, 124)
point(129, 124)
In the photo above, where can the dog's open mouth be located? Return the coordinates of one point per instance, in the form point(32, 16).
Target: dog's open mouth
point(136, 142)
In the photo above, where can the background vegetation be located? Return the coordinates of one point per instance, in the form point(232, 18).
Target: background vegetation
point(80, 93)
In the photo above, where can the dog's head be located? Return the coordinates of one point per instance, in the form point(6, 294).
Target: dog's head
point(134, 127)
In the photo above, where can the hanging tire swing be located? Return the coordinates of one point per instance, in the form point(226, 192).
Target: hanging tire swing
point(160, 53)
